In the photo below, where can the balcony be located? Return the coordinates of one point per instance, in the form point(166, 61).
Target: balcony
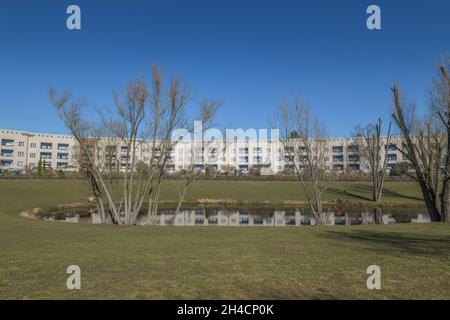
point(46, 145)
point(391, 147)
point(62, 165)
point(63, 146)
point(243, 159)
point(7, 142)
point(337, 149)
point(353, 149)
point(7, 153)
point(63, 156)
point(46, 155)
point(392, 157)
point(353, 158)
point(337, 159)
point(6, 163)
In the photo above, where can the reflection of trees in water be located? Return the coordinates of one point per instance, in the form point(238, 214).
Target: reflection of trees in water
point(377, 216)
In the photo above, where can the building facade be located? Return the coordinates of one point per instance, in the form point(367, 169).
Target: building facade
point(22, 150)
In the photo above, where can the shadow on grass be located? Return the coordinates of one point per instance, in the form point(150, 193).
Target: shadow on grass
point(351, 191)
point(382, 241)
point(346, 193)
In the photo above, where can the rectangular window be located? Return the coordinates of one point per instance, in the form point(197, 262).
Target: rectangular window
point(338, 149)
point(6, 163)
point(32, 155)
point(63, 156)
point(21, 154)
point(61, 165)
point(391, 147)
point(32, 165)
point(20, 163)
point(63, 146)
point(8, 142)
point(32, 145)
point(7, 153)
point(46, 145)
point(21, 143)
point(392, 157)
point(46, 155)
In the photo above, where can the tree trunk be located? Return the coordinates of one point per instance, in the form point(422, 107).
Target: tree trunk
point(445, 196)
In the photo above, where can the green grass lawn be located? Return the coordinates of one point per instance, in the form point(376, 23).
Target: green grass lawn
point(218, 262)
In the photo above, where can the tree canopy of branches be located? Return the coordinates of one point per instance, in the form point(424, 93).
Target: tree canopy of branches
point(440, 106)
point(371, 143)
point(423, 146)
point(143, 121)
point(303, 139)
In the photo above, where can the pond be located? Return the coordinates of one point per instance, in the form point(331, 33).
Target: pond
point(255, 216)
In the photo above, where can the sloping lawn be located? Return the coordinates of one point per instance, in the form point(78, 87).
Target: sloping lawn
point(216, 262)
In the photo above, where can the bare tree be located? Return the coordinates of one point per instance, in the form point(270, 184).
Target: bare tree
point(440, 106)
point(199, 153)
point(142, 119)
point(71, 114)
point(305, 151)
point(422, 146)
point(372, 143)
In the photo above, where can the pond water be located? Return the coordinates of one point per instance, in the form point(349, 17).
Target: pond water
point(245, 216)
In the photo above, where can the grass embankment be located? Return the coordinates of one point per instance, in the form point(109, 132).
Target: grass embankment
point(217, 262)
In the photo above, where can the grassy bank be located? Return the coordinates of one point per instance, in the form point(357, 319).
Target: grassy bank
point(217, 262)
point(273, 192)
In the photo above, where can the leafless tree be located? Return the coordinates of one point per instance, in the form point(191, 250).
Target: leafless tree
point(71, 113)
point(422, 146)
point(199, 150)
point(440, 106)
point(374, 149)
point(304, 144)
point(142, 119)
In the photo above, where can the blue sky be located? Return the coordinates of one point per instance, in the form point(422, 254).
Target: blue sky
point(251, 54)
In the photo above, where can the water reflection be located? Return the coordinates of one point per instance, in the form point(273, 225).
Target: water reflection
point(263, 217)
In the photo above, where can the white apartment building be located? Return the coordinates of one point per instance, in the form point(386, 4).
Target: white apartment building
point(22, 150)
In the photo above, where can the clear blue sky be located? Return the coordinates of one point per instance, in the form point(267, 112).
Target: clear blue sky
point(251, 54)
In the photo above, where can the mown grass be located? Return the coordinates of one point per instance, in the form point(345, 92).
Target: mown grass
point(217, 262)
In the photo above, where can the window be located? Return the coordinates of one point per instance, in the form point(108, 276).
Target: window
point(20, 163)
point(391, 147)
point(6, 163)
point(392, 157)
point(63, 146)
point(32, 155)
point(32, 165)
point(7, 142)
point(63, 156)
point(61, 165)
point(32, 145)
point(46, 145)
point(46, 155)
point(338, 149)
point(7, 153)
point(20, 154)
point(21, 143)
